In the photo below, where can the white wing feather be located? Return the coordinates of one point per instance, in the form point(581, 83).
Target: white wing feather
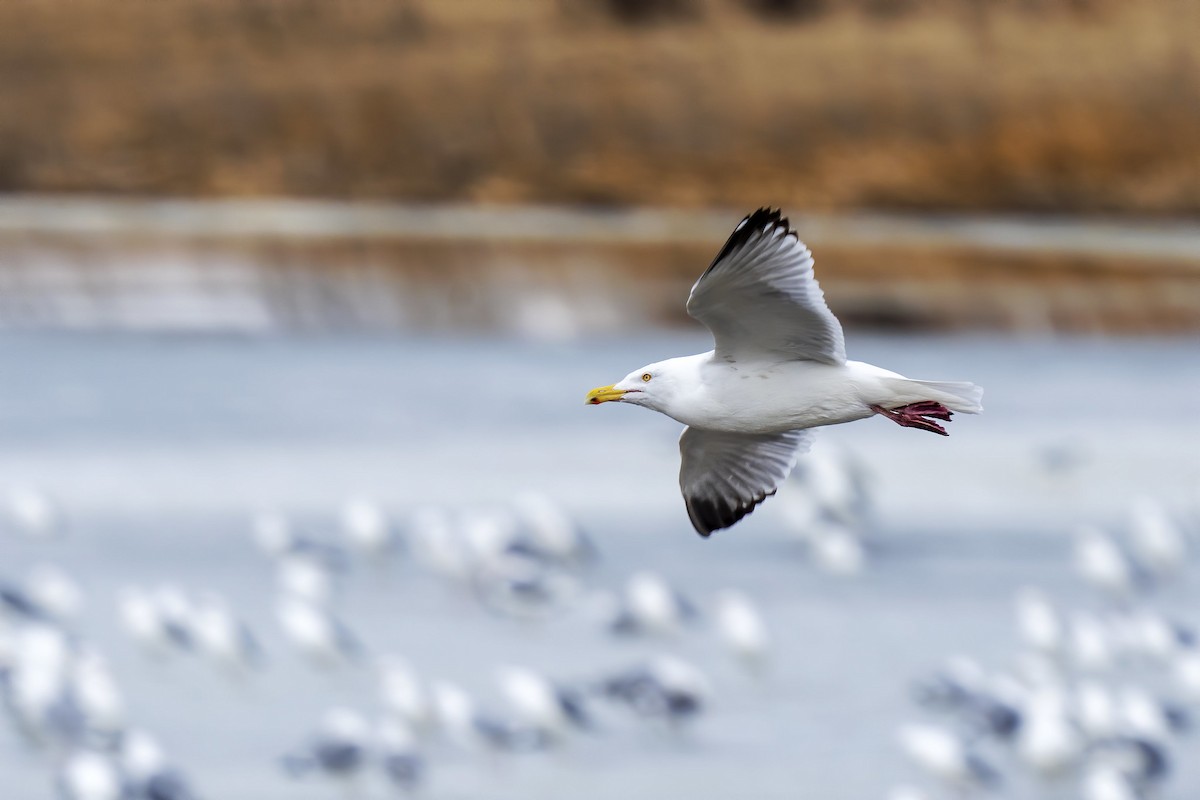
point(759, 297)
point(723, 476)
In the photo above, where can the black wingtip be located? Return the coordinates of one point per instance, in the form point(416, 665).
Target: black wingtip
point(761, 220)
point(708, 517)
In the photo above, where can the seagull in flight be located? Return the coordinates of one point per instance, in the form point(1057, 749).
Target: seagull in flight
point(779, 370)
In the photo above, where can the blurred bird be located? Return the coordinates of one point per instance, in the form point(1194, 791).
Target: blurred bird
point(1105, 782)
point(1096, 710)
point(175, 612)
point(32, 513)
point(742, 629)
point(401, 761)
point(1141, 765)
point(521, 586)
point(221, 637)
point(473, 730)
point(1185, 673)
point(1142, 715)
point(1048, 742)
point(148, 776)
point(366, 528)
point(16, 603)
point(48, 594)
point(945, 757)
point(668, 689)
point(541, 704)
point(1158, 543)
point(828, 485)
point(316, 633)
point(340, 749)
point(1038, 622)
point(89, 775)
point(54, 592)
point(552, 533)
point(36, 689)
point(437, 545)
point(836, 549)
point(403, 696)
point(1100, 562)
point(276, 537)
point(980, 710)
point(1089, 644)
point(651, 605)
point(101, 705)
point(140, 617)
point(301, 576)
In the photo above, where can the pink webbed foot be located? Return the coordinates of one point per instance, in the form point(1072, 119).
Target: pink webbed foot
point(918, 415)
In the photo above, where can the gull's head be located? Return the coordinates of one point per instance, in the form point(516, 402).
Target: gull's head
point(652, 386)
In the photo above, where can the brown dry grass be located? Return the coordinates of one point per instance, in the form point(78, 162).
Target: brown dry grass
point(1082, 105)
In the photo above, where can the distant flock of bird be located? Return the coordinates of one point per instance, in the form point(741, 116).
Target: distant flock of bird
point(1096, 698)
point(1098, 701)
point(526, 561)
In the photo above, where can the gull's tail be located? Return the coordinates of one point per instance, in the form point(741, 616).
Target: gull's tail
point(954, 395)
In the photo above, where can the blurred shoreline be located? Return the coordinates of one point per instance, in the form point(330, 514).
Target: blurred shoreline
point(556, 273)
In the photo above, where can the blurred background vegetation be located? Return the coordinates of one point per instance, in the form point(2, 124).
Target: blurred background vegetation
point(1030, 105)
point(921, 110)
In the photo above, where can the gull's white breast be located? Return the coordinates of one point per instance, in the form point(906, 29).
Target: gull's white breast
point(771, 397)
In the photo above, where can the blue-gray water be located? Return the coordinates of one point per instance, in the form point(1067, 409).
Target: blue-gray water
point(159, 449)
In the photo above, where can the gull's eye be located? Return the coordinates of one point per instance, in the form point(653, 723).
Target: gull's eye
point(645, 377)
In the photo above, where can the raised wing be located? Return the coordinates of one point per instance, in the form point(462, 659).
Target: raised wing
point(725, 475)
point(759, 296)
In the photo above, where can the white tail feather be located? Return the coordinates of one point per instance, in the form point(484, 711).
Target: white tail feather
point(955, 395)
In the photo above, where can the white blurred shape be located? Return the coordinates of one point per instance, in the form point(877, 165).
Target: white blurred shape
point(437, 545)
point(86, 775)
point(1186, 674)
point(402, 695)
point(1142, 714)
point(552, 530)
point(1157, 541)
point(741, 628)
point(141, 755)
point(939, 752)
point(315, 632)
point(1037, 621)
point(907, 793)
point(32, 513)
point(222, 637)
point(455, 713)
point(1090, 647)
point(272, 533)
point(54, 591)
point(1048, 741)
point(1105, 782)
point(140, 618)
point(654, 605)
point(534, 699)
point(366, 527)
point(1096, 710)
point(97, 694)
point(304, 577)
point(1100, 562)
point(836, 549)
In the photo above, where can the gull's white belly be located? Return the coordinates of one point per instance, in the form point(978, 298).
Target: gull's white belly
point(770, 398)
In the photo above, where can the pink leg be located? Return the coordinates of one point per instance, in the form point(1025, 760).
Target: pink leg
point(918, 415)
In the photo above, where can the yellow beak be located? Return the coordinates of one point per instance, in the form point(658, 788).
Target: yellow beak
point(604, 394)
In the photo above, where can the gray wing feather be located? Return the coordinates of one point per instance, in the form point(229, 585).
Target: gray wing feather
point(760, 296)
point(723, 476)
